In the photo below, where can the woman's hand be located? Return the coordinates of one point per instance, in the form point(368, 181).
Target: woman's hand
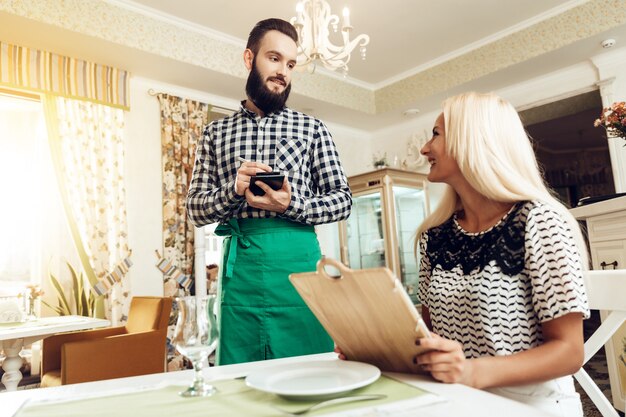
point(341, 355)
point(445, 360)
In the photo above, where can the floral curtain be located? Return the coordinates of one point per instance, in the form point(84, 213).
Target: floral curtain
point(182, 121)
point(88, 153)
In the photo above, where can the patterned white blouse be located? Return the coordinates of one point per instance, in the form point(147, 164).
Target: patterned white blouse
point(491, 290)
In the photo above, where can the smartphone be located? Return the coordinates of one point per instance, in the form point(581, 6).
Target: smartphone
point(273, 179)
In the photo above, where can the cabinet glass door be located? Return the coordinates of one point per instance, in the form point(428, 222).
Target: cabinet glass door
point(366, 243)
point(410, 211)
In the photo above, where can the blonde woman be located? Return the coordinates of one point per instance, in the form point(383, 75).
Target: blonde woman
point(501, 263)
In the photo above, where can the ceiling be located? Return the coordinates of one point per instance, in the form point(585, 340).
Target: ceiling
point(404, 34)
point(419, 53)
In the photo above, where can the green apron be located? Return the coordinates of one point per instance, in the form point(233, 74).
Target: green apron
point(261, 315)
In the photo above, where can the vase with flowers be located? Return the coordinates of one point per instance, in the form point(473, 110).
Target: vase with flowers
point(31, 295)
point(613, 120)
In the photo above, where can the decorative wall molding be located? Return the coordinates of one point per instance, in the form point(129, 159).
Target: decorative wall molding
point(571, 81)
point(154, 33)
point(606, 91)
point(611, 63)
point(132, 27)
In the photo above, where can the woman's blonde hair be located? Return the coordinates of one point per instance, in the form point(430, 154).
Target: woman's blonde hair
point(486, 138)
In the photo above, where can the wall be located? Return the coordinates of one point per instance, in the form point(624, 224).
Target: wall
point(354, 147)
point(143, 173)
point(394, 142)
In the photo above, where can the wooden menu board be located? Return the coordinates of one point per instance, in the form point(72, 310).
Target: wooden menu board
point(367, 312)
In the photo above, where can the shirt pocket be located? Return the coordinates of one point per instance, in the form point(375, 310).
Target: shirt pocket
point(290, 154)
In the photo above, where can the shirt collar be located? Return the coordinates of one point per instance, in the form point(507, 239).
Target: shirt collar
point(253, 115)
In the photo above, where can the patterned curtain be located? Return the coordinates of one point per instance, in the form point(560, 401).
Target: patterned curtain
point(88, 155)
point(182, 121)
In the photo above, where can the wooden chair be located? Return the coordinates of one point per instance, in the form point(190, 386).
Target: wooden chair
point(606, 290)
point(138, 348)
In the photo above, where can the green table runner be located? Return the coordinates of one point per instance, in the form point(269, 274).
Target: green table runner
point(234, 399)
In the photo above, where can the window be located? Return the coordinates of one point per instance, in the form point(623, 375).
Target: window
point(32, 224)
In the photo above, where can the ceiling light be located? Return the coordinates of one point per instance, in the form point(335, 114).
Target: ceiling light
point(410, 112)
point(313, 21)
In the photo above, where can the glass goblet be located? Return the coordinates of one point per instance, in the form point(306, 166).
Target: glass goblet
point(196, 337)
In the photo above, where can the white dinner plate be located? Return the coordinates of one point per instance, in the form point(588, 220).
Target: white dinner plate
point(314, 379)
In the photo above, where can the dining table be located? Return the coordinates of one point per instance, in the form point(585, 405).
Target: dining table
point(156, 395)
point(14, 336)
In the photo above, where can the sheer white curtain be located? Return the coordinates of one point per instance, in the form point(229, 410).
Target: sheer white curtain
point(34, 236)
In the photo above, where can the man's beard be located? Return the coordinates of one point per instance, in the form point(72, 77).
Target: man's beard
point(265, 99)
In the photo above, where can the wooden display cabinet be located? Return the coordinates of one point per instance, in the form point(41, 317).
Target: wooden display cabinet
point(388, 205)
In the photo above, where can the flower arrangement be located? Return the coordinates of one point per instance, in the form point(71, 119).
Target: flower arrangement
point(613, 119)
point(31, 295)
point(34, 292)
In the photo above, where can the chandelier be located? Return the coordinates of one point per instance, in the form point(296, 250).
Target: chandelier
point(313, 21)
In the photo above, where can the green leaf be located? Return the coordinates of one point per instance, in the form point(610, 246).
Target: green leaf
point(90, 301)
point(63, 304)
point(92, 305)
point(76, 288)
point(84, 297)
point(85, 301)
point(55, 309)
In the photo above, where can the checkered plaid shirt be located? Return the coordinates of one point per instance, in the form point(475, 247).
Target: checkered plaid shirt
point(290, 142)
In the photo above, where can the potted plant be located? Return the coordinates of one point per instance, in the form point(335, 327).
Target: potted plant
point(80, 301)
point(613, 119)
point(380, 160)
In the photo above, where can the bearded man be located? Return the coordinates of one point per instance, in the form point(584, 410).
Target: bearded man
point(269, 236)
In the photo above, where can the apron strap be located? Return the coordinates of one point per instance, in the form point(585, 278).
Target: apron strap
point(237, 239)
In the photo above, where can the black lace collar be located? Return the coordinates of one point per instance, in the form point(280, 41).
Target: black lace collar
point(449, 245)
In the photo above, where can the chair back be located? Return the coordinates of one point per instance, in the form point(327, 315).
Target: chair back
point(148, 313)
point(606, 289)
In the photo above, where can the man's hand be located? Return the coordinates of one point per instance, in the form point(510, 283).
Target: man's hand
point(272, 200)
point(245, 171)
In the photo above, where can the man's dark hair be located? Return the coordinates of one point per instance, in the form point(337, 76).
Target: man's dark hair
point(261, 28)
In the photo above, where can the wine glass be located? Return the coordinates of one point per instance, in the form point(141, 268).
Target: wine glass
point(196, 337)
